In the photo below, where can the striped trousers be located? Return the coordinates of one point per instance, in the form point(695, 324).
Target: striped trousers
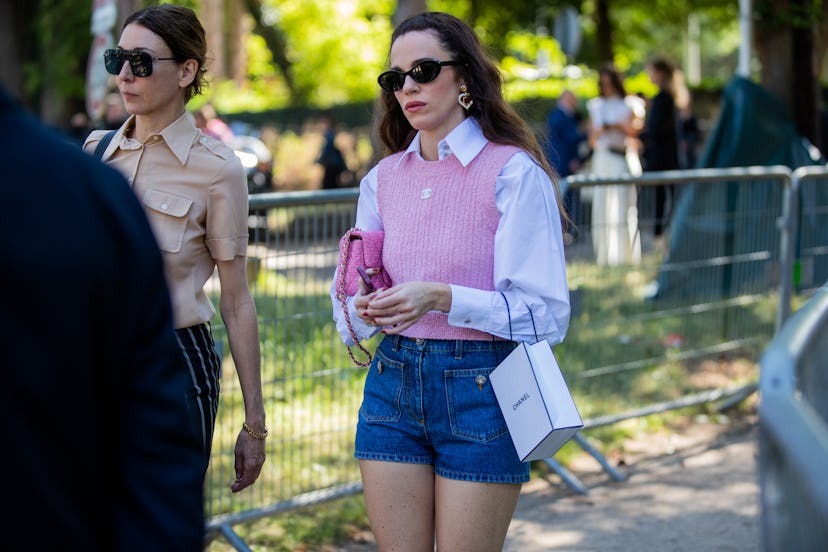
point(204, 366)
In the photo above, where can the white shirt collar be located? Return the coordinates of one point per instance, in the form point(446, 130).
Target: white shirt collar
point(465, 141)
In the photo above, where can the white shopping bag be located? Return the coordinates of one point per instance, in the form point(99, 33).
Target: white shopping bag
point(535, 401)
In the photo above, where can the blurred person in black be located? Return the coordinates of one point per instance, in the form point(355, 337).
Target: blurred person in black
point(99, 453)
point(660, 140)
point(687, 124)
point(330, 157)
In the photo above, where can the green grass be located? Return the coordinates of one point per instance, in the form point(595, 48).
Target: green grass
point(312, 528)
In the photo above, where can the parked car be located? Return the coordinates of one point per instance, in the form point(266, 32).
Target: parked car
point(257, 161)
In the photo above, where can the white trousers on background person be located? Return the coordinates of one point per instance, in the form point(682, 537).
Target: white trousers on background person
point(615, 235)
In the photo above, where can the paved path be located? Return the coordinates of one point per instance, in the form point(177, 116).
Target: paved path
point(694, 490)
point(699, 494)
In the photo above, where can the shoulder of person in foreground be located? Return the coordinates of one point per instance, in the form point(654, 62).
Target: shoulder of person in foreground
point(160, 477)
point(111, 283)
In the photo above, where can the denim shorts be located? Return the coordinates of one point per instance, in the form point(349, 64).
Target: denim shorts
point(430, 401)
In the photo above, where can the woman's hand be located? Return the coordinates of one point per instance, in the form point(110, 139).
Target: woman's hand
point(363, 296)
point(399, 307)
point(250, 457)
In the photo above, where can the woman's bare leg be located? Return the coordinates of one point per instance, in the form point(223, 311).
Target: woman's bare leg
point(471, 516)
point(400, 502)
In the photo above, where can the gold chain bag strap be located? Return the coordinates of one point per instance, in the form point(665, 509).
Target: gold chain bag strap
point(358, 248)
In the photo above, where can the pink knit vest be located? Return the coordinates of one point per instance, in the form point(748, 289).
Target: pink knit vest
point(440, 220)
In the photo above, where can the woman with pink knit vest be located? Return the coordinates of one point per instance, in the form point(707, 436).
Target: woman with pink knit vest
point(473, 246)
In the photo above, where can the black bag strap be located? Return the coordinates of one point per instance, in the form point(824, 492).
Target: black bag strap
point(101, 147)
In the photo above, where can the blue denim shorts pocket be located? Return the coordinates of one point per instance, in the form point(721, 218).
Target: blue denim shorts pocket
point(383, 390)
point(472, 406)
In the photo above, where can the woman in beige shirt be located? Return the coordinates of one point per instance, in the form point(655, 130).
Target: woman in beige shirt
point(194, 191)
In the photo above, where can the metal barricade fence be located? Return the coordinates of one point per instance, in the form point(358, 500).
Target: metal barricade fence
point(793, 412)
point(696, 305)
point(793, 436)
point(810, 191)
point(631, 349)
point(311, 389)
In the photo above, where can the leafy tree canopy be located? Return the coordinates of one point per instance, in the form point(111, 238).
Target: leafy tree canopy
point(335, 49)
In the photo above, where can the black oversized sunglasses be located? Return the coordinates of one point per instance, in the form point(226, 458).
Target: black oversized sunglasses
point(425, 71)
point(140, 62)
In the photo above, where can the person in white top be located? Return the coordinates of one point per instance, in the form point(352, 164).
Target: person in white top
point(612, 129)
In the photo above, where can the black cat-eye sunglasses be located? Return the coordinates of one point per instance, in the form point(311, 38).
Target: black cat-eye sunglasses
point(423, 72)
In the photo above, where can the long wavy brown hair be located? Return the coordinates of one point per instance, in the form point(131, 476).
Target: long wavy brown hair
point(498, 120)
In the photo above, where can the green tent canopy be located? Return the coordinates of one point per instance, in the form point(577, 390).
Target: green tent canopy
point(735, 221)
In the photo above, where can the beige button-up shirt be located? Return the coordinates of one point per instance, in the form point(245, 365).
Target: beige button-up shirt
point(194, 192)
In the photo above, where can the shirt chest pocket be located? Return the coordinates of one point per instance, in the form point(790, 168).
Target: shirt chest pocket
point(167, 214)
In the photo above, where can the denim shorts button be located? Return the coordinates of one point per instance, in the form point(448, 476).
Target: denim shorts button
point(420, 341)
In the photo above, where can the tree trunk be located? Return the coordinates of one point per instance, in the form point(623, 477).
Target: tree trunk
point(603, 31)
point(774, 50)
point(224, 30)
point(277, 44)
point(805, 85)
point(236, 51)
point(18, 43)
point(407, 8)
point(820, 47)
point(212, 17)
point(125, 9)
point(785, 48)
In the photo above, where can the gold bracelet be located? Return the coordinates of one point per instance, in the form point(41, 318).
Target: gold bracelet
point(253, 433)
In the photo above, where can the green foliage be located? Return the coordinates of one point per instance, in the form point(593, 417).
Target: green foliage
point(640, 83)
point(535, 68)
point(525, 50)
point(458, 8)
point(360, 34)
point(314, 30)
point(773, 14)
point(646, 29)
point(263, 89)
point(337, 49)
point(313, 528)
point(61, 38)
